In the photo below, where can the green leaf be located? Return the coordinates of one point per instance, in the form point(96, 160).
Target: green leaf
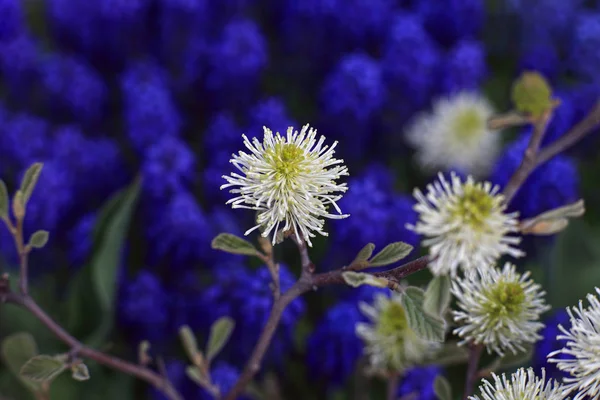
point(390, 254)
point(364, 254)
point(437, 295)
point(96, 281)
point(425, 325)
point(233, 244)
point(17, 349)
point(30, 180)
point(4, 201)
point(39, 239)
point(43, 368)
point(188, 339)
point(220, 332)
point(80, 372)
point(442, 388)
point(356, 279)
point(196, 375)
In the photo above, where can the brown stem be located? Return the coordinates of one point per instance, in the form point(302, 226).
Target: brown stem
point(392, 386)
point(22, 252)
point(262, 345)
point(474, 356)
point(529, 161)
point(534, 156)
point(140, 372)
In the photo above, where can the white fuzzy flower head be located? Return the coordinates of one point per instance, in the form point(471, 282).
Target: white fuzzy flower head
point(522, 385)
point(290, 180)
point(465, 225)
point(499, 308)
point(390, 343)
point(583, 347)
point(455, 134)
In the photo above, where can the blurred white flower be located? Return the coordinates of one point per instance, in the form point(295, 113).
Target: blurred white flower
point(465, 225)
point(499, 308)
point(290, 180)
point(455, 135)
point(390, 343)
point(583, 345)
point(522, 385)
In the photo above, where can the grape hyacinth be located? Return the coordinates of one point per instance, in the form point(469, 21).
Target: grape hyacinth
point(419, 382)
point(466, 67)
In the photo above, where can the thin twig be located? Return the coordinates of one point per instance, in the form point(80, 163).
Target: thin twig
point(529, 161)
point(78, 348)
point(392, 386)
point(534, 156)
point(474, 356)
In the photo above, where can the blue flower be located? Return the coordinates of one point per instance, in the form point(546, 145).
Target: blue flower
point(247, 298)
point(212, 178)
point(378, 214)
point(541, 56)
point(222, 135)
point(354, 89)
point(73, 22)
point(73, 87)
point(24, 140)
point(12, 22)
point(333, 347)
point(550, 343)
point(419, 382)
point(410, 63)
point(224, 376)
point(177, 376)
point(238, 57)
point(81, 240)
point(19, 66)
point(143, 308)
point(551, 185)
point(450, 21)
point(466, 68)
point(585, 51)
point(95, 164)
point(150, 112)
point(223, 220)
point(270, 112)
point(168, 167)
point(180, 232)
point(559, 19)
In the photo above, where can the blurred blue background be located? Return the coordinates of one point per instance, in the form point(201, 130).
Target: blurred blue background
point(103, 92)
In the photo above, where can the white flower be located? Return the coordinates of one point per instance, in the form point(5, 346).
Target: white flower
point(465, 225)
point(455, 135)
point(499, 309)
point(290, 180)
point(390, 343)
point(522, 385)
point(583, 345)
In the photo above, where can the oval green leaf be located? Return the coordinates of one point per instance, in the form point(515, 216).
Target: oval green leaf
point(30, 180)
point(39, 239)
point(4, 201)
point(390, 254)
point(425, 325)
point(43, 368)
point(437, 295)
point(220, 332)
point(233, 244)
point(442, 388)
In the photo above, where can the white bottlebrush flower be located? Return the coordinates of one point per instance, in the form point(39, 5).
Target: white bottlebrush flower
point(389, 341)
point(583, 347)
point(290, 180)
point(499, 308)
point(465, 225)
point(522, 385)
point(455, 135)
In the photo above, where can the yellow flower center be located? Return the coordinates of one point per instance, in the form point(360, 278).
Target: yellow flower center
point(468, 125)
point(286, 159)
point(392, 322)
point(474, 206)
point(505, 299)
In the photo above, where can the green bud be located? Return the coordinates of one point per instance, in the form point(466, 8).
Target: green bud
point(532, 95)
